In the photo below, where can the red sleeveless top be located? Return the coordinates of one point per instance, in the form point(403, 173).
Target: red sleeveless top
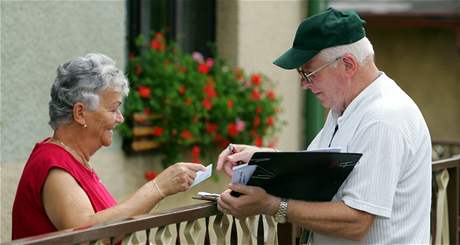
point(29, 216)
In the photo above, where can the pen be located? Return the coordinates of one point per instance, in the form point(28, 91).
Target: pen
point(232, 150)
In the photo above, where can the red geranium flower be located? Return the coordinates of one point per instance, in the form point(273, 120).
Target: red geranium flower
point(182, 89)
point(271, 95)
point(232, 130)
point(150, 175)
point(255, 95)
point(203, 68)
point(157, 131)
point(224, 143)
point(259, 141)
point(256, 121)
point(196, 154)
point(207, 104)
point(186, 135)
point(269, 121)
point(211, 127)
point(209, 90)
point(229, 104)
point(157, 45)
point(144, 91)
point(255, 79)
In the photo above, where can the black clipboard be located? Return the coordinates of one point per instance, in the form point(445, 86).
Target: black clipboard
point(302, 175)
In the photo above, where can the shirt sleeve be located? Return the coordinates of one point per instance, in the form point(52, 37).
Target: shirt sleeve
point(372, 184)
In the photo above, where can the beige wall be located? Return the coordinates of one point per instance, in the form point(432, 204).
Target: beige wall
point(425, 62)
point(254, 34)
point(37, 36)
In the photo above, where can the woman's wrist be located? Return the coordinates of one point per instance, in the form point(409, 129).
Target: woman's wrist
point(157, 189)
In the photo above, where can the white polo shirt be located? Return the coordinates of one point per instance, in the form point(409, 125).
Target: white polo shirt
point(392, 180)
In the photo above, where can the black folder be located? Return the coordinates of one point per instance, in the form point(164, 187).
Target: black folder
point(302, 175)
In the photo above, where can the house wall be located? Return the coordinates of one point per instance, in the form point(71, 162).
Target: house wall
point(425, 62)
point(37, 36)
point(252, 35)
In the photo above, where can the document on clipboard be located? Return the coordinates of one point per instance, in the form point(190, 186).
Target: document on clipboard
point(301, 175)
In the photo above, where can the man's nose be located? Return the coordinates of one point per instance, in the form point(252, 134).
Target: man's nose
point(305, 84)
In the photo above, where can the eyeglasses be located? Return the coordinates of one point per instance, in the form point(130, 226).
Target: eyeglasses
point(309, 76)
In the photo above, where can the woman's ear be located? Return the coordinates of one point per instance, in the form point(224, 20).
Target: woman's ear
point(79, 110)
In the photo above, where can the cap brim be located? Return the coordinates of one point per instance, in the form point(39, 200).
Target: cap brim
point(294, 58)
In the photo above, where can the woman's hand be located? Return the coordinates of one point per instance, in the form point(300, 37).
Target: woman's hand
point(229, 158)
point(177, 177)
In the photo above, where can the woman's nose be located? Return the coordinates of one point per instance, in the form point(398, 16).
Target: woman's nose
point(119, 117)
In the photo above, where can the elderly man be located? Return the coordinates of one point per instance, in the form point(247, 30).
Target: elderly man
point(386, 198)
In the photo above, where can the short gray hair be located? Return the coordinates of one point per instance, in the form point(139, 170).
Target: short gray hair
point(362, 50)
point(81, 80)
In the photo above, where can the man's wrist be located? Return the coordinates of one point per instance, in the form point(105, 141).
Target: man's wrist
point(272, 206)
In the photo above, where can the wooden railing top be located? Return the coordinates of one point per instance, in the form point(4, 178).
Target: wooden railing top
point(119, 228)
point(450, 142)
point(450, 162)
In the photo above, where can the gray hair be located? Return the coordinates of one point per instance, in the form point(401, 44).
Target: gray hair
point(82, 80)
point(362, 50)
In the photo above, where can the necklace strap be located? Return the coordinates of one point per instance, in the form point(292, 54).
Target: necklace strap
point(69, 149)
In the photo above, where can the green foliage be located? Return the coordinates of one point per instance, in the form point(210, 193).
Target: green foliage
point(198, 103)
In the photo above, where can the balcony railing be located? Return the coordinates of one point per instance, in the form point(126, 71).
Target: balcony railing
point(204, 224)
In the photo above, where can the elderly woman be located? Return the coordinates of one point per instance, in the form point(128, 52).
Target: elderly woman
point(58, 188)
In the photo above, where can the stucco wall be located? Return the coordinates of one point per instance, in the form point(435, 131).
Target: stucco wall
point(425, 62)
point(254, 34)
point(36, 36)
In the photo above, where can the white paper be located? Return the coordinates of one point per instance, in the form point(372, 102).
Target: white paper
point(329, 149)
point(242, 173)
point(202, 175)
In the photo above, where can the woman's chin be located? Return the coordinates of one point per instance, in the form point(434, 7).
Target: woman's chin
point(107, 141)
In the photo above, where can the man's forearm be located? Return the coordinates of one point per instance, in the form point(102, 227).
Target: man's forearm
point(330, 218)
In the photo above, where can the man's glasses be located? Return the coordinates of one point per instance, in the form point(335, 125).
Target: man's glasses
point(309, 76)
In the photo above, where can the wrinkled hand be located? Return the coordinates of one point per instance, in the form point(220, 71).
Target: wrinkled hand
point(177, 177)
point(228, 160)
point(254, 200)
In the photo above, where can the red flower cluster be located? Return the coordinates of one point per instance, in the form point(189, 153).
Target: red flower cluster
point(194, 102)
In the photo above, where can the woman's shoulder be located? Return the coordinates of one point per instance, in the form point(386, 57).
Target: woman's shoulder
point(46, 155)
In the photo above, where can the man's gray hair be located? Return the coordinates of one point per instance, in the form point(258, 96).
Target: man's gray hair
point(82, 80)
point(362, 50)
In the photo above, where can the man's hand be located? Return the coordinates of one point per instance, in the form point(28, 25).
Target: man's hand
point(254, 200)
point(229, 158)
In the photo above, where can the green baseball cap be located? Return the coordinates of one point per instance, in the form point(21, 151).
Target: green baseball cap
point(327, 29)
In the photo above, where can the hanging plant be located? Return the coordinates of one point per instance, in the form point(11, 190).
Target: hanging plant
point(181, 101)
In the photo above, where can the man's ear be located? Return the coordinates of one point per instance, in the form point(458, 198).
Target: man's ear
point(79, 110)
point(351, 64)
